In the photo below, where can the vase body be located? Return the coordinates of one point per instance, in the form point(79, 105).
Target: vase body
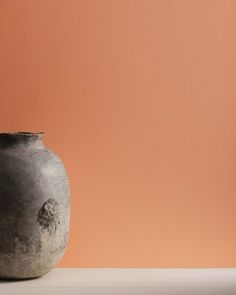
point(34, 206)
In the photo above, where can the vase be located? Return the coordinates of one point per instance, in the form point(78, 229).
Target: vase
point(34, 206)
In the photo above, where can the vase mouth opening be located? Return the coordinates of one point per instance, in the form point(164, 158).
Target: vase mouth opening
point(12, 139)
point(24, 134)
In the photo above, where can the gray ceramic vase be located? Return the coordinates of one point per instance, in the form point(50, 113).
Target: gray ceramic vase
point(34, 206)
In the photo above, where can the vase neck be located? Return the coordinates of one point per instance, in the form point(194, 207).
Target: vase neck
point(23, 139)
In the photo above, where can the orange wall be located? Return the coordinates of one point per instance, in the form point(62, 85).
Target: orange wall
point(138, 97)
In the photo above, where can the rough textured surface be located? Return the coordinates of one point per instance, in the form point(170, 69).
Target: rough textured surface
point(49, 216)
point(34, 207)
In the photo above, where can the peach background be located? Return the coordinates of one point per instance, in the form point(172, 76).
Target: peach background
point(138, 98)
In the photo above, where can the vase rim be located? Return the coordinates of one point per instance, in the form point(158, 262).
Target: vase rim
point(22, 135)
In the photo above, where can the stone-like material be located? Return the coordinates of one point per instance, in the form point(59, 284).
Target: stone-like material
point(34, 206)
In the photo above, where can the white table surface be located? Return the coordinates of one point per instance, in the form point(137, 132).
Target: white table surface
point(102, 281)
